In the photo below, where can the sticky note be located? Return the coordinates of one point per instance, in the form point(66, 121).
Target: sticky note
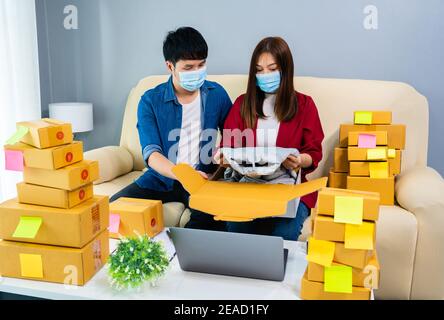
point(114, 223)
point(14, 160)
point(348, 209)
point(379, 170)
point(338, 279)
point(18, 135)
point(31, 265)
point(366, 141)
point(377, 154)
point(391, 153)
point(363, 117)
point(359, 236)
point(320, 251)
point(27, 227)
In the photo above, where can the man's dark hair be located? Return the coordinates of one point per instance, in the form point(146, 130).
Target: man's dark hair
point(185, 43)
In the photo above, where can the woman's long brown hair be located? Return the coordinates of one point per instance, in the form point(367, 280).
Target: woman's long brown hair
point(286, 102)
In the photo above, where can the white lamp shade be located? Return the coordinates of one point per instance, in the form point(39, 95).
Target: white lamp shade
point(80, 115)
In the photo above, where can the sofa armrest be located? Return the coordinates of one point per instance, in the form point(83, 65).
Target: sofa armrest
point(113, 161)
point(421, 191)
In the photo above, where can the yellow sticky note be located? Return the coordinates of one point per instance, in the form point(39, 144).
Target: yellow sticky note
point(377, 154)
point(27, 227)
point(391, 153)
point(320, 251)
point(348, 209)
point(31, 265)
point(338, 279)
point(363, 117)
point(379, 170)
point(360, 236)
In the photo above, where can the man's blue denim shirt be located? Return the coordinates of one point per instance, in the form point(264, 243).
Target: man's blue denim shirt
point(160, 114)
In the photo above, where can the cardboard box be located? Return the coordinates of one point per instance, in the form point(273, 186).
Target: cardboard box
point(51, 197)
point(315, 272)
point(68, 178)
point(46, 133)
point(395, 133)
point(371, 202)
point(341, 160)
point(50, 158)
point(137, 216)
point(384, 186)
point(360, 154)
point(372, 117)
point(337, 179)
point(240, 202)
point(357, 258)
point(362, 169)
point(381, 137)
point(60, 227)
point(313, 290)
point(54, 264)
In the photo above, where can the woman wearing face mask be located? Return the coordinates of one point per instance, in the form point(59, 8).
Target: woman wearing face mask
point(278, 116)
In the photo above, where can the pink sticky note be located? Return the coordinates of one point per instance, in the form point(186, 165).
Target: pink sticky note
point(367, 141)
point(114, 223)
point(14, 160)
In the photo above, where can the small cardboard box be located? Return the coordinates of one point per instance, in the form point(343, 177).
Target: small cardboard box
point(46, 133)
point(69, 266)
point(137, 216)
point(52, 197)
point(315, 272)
point(384, 186)
point(240, 202)
point(362, 169)
point(68, 178)
point(395, 133)
point(360, 154)
point(341, 160)
point(373, 117)
point(50, 158)
point(313, 290)
point(326, 202)
point(357, 258)
point(381, 137)
point(60, 227)
point(337, 179)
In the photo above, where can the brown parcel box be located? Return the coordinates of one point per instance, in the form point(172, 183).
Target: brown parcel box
point(341, 160)
point(384, 186)
point(313, 290)
point(60, 227)
point(52, 197)
point(360, 154)
point(352, 257)
point(68, 178)
point(326, 201)
point(362, 169)
point(337, 179)
point(395, 133)
point(56, 264)
point(381, 137)
point(378, 117)
point(315, 272)
point(138, 216)
point(46, 133)
point(50, 158)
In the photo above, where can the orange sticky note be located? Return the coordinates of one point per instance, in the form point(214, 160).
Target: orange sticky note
point(31, 265)
point(348, 209)
point(379, 170)
point(359, 236)
point(320, 251)
point(338, 279)
point(377, 154)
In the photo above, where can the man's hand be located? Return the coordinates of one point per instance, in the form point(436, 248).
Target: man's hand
point(203, 174)
point(292, 162)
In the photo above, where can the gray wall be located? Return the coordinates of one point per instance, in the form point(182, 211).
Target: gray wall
point(120, 41)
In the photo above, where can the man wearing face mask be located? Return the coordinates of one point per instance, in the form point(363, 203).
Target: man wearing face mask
point(171, 120)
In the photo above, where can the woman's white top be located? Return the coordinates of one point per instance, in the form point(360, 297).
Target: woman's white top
point(268, 128)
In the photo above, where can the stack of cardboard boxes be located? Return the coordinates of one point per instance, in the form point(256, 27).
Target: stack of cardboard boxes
point(342, 260)
point(369, 154)
point(56, 229)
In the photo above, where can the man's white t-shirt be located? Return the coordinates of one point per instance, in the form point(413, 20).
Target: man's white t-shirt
point(268, 128)
point(189, 142)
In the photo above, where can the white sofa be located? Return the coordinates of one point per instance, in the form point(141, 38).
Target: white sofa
point(410, 235)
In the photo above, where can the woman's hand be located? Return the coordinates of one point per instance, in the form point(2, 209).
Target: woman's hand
point(292, 162)
point(220, 160)
point(203, 174)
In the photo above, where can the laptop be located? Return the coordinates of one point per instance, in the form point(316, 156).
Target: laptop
point(231, 254)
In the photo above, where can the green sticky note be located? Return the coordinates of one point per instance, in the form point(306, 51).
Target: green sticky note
point(28, 227)
point(348, 210)
point(338, 279)
point(18, 135)
point(363, 117)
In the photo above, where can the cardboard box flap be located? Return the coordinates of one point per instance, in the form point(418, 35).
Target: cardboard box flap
point(230, 201)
